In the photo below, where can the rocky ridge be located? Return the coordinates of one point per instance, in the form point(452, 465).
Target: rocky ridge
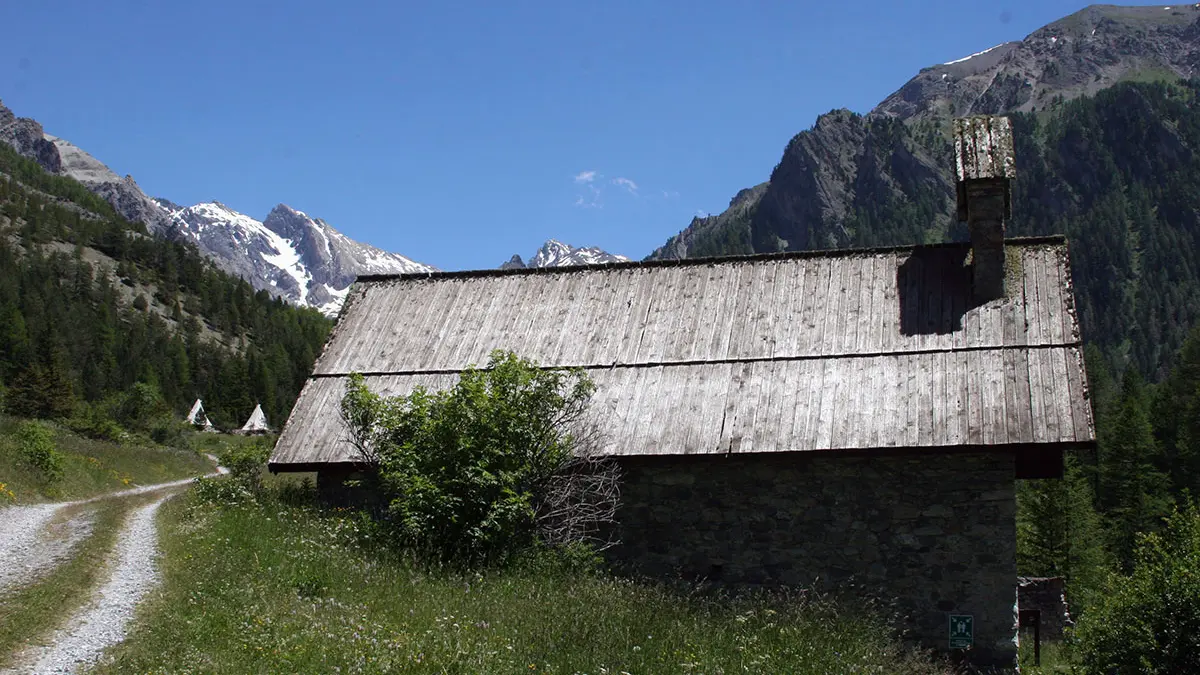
point(834, 178)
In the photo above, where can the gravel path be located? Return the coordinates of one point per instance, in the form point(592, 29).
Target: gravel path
point(28, 549)
point(102, 623)
point(31, 548)
point(38, 542)
point(21, 528)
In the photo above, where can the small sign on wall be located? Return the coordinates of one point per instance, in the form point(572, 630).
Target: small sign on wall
point(962, 631)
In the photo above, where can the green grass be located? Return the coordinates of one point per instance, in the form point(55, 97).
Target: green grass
point(1056, 658)
point(91, 467)
point(1150, 75)
point(215, 444)
point(35, 610)
point(274, 588)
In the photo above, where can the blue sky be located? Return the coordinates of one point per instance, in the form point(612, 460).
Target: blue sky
point(460, 133)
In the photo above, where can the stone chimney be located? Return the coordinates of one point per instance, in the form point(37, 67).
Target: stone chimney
point(985, 166)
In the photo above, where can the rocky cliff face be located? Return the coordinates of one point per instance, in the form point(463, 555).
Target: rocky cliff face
point(557, 254)
point(1074, 56)
point(292, 256)
point(835, 179)
point(28, 138)
point(296, 257)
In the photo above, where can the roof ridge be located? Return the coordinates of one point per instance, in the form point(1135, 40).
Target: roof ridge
point(1054, 239)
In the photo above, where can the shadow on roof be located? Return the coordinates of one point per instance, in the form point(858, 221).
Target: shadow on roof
point(934, 289)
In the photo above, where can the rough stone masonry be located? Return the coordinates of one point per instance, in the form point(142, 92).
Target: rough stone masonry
point(934, 533)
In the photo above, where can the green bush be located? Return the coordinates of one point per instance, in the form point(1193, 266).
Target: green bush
point(140, 407)
point(35, 443)
point(245, 463)
point(1149, 621)
point(466, 472)
point(93, 421)
point(222, 491)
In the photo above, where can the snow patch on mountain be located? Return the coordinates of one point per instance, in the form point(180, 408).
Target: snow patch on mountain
point(288, 260)
point(968, 58)
point(290, 255)
point(555, 253)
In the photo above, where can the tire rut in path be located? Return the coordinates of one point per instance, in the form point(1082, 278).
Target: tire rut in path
point(28, 549)
point(37, 541)
point(102, 623)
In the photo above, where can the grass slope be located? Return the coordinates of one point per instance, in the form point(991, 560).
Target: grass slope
point(90, 467)
point(275, 588)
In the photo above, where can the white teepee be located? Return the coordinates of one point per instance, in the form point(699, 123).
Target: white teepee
point(198, 418)
point(257, 424)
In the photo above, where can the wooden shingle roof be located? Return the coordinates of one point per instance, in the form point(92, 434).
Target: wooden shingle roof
point(843, 350)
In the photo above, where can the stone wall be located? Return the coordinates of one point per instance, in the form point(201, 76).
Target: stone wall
point(935, 533)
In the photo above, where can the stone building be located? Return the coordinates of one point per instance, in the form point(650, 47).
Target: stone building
point(824, 418)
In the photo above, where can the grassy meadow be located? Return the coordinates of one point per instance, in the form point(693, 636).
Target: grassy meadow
point(1056, 658)
point(90, 467)
point(268, 587)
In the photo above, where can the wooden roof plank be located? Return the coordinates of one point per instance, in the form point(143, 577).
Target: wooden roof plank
point(1035, 279)
point(747, 341)
point(1053, 312)
point(861, 325)
point(1062, 396)
point(1036, 393)
point(624, 348)
point(690, 317)
point(808, 342)
point(789, 307)
point(575, 301)
point(847, 315)
point(712, 321)
point(964, 406)
point(831, 392)
point(726, 322)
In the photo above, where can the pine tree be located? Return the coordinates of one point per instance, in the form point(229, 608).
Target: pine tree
point(1134, 494)
point(1059, 532)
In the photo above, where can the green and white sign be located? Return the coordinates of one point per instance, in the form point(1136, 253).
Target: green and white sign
point(962, 631)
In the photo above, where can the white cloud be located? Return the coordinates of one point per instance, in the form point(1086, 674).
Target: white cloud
point(585, 177)
point(670, 194)
point(627, 184)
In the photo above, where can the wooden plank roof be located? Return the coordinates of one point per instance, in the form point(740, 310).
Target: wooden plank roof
point(848, 350)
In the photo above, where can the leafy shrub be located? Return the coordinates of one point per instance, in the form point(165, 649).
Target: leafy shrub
point(169, 431)
point(35, 443)
point(245, 463)
point(487, 468)
point(93, 421)
point(140, 407)
point(222, 491)
point(244, 483)
point(1149, 622)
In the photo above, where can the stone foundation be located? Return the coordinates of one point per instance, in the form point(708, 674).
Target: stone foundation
point(934, 533)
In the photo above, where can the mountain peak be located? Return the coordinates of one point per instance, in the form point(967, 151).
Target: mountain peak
point(555, 253)
point(285, 209)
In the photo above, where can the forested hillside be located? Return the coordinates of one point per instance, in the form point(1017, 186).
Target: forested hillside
point(91, 306)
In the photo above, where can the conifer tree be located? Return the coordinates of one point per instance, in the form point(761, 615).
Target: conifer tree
point(1134, 493)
